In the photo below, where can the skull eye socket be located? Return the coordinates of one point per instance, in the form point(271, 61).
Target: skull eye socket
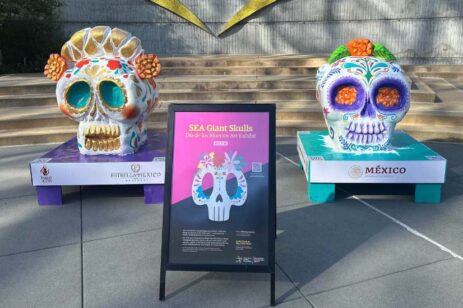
point(78, 96)
point(346, 95)
point(231, 184)
point(388, 97)
point(112, 94)
point(208, 181)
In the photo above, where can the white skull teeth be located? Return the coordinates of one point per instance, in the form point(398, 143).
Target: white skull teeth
point(102, 137)
point(365, 133)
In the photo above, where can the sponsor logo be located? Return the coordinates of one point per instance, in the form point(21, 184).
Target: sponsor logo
point(136, 175)
point(135, 168)
point(249, 260)
point(45, 177)
point(355, 172)
point(44, 171)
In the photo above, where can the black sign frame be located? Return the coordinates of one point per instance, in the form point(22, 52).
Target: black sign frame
point(270, 268)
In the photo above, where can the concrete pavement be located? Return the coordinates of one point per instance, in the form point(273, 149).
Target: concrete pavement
point(102, 248)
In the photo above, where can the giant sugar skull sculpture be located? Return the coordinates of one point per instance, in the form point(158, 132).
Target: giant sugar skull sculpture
point(219, 202)
point(364, 95)
point(106, 83)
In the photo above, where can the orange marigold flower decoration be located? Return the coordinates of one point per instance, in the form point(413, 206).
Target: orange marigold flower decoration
point(360, 47)
point(346, 95)
point(148, 66)
point(388, 97)
point(219, 158)
point(55, 67)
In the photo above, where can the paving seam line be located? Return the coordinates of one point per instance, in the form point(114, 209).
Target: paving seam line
point(407, 227)
point(395, 220)
point(37, 250)
point(378, 277)
point(120, 235)
point(294, 285)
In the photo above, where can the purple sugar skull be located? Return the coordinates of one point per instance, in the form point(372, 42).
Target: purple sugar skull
point(363, 98)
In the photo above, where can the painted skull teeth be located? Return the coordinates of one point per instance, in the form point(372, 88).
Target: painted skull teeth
point(102, 145)
point(102, 137)
point(366, 128)
point(366, 133)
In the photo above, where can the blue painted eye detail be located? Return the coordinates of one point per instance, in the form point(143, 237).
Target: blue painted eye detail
point(112, 94)
point(78, 94)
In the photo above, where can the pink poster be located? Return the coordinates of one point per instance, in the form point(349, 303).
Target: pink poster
point(219, 210)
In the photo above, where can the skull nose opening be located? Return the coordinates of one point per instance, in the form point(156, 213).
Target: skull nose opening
point(219, 198)
point(368, 110)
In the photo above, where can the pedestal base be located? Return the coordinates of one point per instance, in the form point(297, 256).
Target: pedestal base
point(154, 194)
point(321, 192)
point(49, 195)
point(408, 161)
point(65, 166)
point(52, 195)
point(428, 193)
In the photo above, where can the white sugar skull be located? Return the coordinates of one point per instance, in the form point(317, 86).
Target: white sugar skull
point(106, 83)
point(219, 202)
point(363, 98)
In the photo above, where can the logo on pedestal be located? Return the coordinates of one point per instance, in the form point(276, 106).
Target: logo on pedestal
point(46, 177)
point(135, 167)
point(44, 171)
point(355, 172)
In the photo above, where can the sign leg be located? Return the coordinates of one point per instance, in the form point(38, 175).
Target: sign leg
point(428, 193)
point(154, 193)
point(49, 195)
point(321, 192)
point(276, 229)
point(272, 289)
point(162, 286)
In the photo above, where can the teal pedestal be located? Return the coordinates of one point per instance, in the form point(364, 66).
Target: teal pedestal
point(428, 193)
point(408, 162)
point(321, 193)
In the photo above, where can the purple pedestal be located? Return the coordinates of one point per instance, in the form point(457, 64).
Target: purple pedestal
point(49, 195)
point(65, 166)
point(154, 193)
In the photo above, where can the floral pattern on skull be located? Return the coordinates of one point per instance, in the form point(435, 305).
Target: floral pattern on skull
point(363, 98)
point(219, 201)
point(103, 90)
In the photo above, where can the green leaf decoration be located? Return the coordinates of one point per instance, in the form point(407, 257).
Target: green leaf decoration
point(379, 51)
point(338, 53)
